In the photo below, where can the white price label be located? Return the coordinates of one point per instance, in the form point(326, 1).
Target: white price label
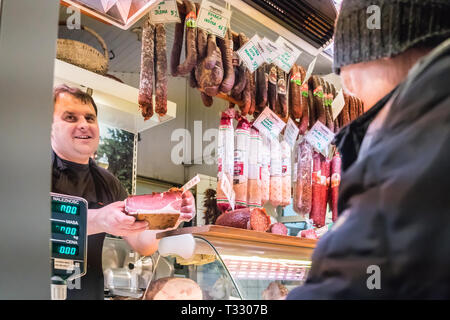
point(271, 50)
point(291, 133)
point(338, 104)
point(310, 70)
point(165, 12)
point(289, 55)
point(213, 18)
point(250, 54)
point(269, 124)
point(320, 137)
point(227, 188)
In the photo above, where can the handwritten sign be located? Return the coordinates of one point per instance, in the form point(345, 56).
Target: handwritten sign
point(271, 50)
point(320, 137)
point(213, 18)
point(165, 12)
point(269, 124)
point(291, 133)
point(250, 54)
point(289, 55)
point(338, 104)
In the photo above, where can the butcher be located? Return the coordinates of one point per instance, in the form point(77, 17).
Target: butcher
point(74, 139)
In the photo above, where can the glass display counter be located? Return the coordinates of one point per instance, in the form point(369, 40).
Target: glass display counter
point(230, 263)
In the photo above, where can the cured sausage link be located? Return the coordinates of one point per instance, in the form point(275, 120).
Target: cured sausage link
point(161, 70)
point(147, 68)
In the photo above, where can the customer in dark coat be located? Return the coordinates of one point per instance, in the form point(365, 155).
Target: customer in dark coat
point(392, 237)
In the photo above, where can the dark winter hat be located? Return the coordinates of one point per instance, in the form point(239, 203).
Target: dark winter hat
point(372, 29)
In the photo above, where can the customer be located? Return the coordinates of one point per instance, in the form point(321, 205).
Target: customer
point(392, 239)
point(74, 138)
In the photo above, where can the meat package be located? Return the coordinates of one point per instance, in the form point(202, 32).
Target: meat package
point(160, 210)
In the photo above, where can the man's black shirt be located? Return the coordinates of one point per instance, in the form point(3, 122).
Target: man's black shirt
point(100, 188)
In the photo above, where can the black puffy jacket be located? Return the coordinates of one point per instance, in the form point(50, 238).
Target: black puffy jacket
point(392, 238)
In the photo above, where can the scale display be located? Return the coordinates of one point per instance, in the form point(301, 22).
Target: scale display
point(64, 208)
point(64, 228)
point(69, 236)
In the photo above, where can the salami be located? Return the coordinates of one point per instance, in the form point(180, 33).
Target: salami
point(211, 52)
point(210, 80)
point(254, 165)
point(240, 79)
point(191, 40)
point(318, 95)
point(161, 70)
point(276, 192)
point(278, 228)
point(247, 94)
point(295, 81)
point(225, 159)
point(312, 110)
point(304, 178)
point(304, 123)
point(282, 103)
point(252, 94)
point(286, 174)
point(265, 173)
point(245, 218)
point(316, 205)
point(177, 43)
point(226, 48)
point(303, 91)
point(207, 100)
point(261, 88)
point(325, 184)
point(345, 113)
point(147, 69)
point(241, 147)
point(335, 182)
point(272, 87)
point(202, 42)
point(328, 100)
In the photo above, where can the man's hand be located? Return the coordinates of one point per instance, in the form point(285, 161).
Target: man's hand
point(112, 219)
point(187, 207)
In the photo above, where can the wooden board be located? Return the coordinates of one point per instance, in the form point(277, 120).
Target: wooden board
point(241, 234)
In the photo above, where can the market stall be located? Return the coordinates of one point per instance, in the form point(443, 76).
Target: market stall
point(183, 74)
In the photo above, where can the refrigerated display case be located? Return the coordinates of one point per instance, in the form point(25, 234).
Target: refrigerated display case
point(230, 263)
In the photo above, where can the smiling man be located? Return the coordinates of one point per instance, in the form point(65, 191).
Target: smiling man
point(74, 138)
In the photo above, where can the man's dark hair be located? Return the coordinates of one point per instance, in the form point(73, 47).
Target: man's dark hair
point(76, 93)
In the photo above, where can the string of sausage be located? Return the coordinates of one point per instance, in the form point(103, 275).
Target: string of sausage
point(147, 68)
point(190, 40)
point(161, 79)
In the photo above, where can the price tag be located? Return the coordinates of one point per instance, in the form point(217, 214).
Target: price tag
point(338, 104)
point(289, 55)
point(269, 124)
point(291, 133)
point(250, 54)
point(213, 18)
point(227, 188)
point(165, 12)
point(320, 137)
point(191, 183)
point(271, 50)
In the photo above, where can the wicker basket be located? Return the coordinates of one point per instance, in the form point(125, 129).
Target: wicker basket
point(83, 55)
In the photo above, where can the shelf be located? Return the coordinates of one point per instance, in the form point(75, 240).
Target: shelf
point(117, 102)
point(241, 234)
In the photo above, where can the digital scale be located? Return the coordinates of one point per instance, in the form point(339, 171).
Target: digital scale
point(68, 242)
